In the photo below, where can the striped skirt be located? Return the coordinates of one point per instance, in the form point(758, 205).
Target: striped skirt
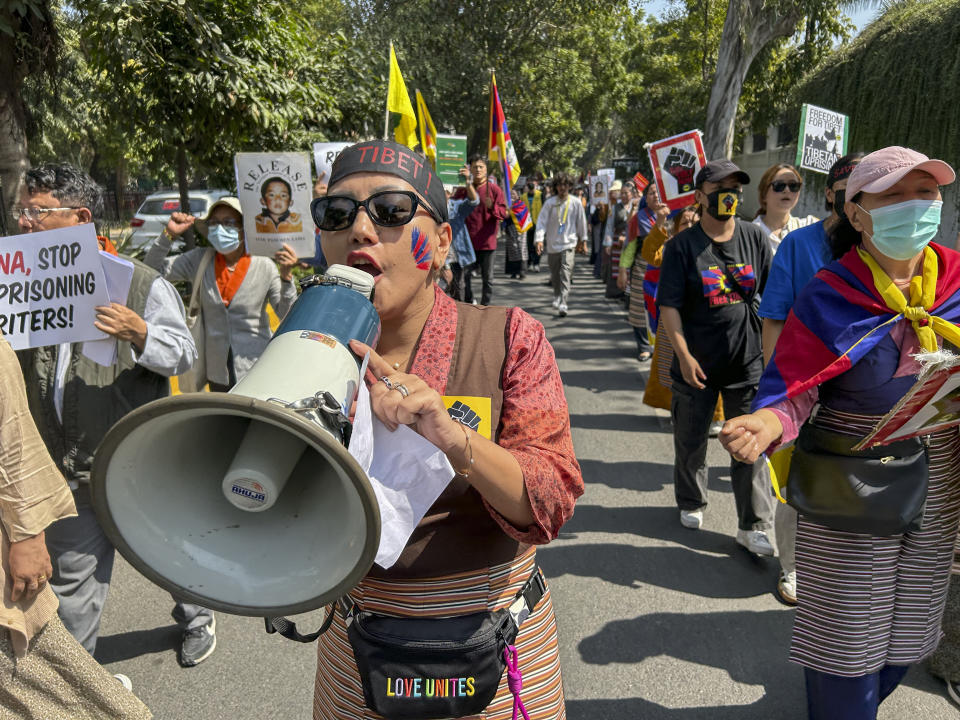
point(338, 693)
point(637, 310)
point(866, 601)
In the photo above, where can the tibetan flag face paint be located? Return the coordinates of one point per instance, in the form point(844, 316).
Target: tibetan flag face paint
point(420, 249)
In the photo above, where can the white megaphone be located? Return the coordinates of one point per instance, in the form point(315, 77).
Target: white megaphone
point(248, 502)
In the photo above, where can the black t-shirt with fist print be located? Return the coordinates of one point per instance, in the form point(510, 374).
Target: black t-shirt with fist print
point(721, 329)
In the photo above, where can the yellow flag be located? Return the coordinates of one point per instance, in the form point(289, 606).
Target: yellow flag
point(428, 132)
point(400, 115)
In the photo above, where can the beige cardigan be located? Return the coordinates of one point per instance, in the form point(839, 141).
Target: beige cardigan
point(33, 495)
point(243, 326)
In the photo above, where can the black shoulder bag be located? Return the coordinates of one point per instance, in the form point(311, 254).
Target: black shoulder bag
point(875, 491)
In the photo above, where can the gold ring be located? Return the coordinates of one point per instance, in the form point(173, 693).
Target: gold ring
point(41, 579)
point(402, 389)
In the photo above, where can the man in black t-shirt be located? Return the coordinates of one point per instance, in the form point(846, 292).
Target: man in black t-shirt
point(710, 284)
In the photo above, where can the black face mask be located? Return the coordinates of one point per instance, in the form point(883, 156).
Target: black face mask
point(839, 198)
point(723, 204)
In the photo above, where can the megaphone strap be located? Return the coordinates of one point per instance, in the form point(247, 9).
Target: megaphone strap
point(288, 628)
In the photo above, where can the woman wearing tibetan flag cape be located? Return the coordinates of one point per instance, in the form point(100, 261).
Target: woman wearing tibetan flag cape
point(869, 606)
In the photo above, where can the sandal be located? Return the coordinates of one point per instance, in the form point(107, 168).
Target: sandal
point(644, 356)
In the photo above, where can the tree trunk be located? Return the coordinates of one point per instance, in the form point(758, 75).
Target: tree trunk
point(182, 186)
point(748, 28)
point(13, 134)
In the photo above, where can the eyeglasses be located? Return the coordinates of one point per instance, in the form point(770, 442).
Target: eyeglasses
point(35, 214)
point(780, 186)
point(390, 208)
point(228, 223)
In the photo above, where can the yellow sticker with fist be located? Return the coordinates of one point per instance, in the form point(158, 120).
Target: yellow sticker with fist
point(474, 412)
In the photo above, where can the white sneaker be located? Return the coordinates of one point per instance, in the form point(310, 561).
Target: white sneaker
point(562, 310)
point(556, 303)
point(692, 519)
point(124, 680)
point(756, 541)
point(787, 587)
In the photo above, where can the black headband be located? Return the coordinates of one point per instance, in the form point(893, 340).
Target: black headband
point(390, 158)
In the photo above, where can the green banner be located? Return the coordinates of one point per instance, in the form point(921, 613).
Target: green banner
point(451, 157)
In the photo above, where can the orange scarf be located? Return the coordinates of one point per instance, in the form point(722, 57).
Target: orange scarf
point(106, 245)
point(229, 281)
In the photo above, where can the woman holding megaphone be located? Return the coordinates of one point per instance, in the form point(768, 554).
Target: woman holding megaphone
point(482, 384)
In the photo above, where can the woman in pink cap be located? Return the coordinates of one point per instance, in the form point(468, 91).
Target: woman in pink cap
point(871, 588)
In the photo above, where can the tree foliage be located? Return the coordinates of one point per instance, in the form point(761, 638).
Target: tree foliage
point(897, 81)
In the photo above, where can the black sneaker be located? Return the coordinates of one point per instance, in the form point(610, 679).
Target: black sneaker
point(198, 644)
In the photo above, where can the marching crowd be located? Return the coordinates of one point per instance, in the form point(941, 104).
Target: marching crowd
point(788, 337)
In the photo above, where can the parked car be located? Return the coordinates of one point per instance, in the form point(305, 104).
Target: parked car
point(152, 217)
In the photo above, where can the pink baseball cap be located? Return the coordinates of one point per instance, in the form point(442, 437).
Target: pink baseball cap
point(884, 168)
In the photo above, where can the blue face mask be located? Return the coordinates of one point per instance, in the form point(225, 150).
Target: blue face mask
point(902, 230)
point(223, 239)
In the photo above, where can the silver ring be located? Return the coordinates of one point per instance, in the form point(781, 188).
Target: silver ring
point(402, 389)
point(386, 381)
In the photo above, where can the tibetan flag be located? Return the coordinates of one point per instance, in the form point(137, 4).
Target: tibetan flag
point(428, 132)
point(521, 215)
point(501, 151)
point(501, 146)
point(838, 318)
point(400, 117)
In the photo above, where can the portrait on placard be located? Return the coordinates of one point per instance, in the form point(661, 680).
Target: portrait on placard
point(275, 190)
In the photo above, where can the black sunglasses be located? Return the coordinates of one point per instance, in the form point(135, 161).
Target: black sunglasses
point(780, 186)
point(389, 208)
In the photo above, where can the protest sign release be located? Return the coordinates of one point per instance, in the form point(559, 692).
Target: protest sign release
point(275, 191)
point(50, 284)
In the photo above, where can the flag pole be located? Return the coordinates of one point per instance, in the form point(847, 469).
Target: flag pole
point(386, 115)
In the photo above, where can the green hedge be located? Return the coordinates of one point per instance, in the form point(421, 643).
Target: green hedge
point(899, 81)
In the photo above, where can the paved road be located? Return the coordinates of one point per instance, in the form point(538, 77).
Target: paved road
point(656, 622)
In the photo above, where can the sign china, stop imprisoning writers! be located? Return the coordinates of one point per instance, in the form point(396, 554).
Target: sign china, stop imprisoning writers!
point(275, 190)
point(50, 284)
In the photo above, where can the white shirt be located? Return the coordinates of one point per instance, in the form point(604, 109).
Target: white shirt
point(792, 224)
point(550, 222)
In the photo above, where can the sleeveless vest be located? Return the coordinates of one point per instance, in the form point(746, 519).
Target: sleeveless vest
point(457, 534)
point(94, 397)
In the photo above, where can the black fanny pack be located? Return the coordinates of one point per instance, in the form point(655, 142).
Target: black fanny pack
point(876, 491)
point(426, 668)
point(423, 668)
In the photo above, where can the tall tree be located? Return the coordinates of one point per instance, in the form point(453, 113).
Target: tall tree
point(28, 45)
point(209, 77)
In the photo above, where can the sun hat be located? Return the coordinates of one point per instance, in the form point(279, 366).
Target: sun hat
point(229, 201)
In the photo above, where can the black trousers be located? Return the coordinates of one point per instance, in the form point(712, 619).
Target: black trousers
point(484, 266)
point(692, 412)
point(533, 257)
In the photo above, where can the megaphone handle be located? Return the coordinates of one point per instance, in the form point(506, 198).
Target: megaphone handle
point(288, 628)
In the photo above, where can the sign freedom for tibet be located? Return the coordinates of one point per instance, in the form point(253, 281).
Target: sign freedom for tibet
point(50, 284)
point(823, 138)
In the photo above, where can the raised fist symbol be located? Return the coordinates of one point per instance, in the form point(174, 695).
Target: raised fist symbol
point(463, 414)
point(681, 165)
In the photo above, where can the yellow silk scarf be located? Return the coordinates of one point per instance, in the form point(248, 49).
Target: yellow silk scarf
point(923, 289)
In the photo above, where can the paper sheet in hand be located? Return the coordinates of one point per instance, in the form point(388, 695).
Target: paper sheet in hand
point(119, 275)
point(407, 472)
point(932, 404)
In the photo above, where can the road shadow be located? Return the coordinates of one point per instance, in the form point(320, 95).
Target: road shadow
point(603, 381)
point(626, 422)
point(738, 574)
point(637, 708)
point(124, 646)
point(637, 475)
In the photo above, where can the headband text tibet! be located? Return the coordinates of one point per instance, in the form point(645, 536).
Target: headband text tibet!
point(384, 156)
